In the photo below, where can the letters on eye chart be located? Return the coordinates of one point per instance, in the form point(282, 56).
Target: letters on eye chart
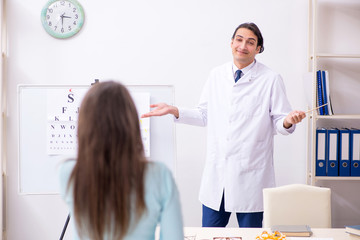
point(62, 115)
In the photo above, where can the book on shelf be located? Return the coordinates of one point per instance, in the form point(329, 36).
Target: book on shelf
point(327, 92)
point(355, 229)
point(293, 230)
point(323, 93)
point(320, 100)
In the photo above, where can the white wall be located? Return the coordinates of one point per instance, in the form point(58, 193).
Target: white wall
point(150, 42)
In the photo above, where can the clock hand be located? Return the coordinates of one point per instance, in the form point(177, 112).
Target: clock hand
point(62, 19)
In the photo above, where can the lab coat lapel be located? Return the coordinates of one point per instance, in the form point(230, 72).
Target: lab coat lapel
point(230, 74)
point(249, 76)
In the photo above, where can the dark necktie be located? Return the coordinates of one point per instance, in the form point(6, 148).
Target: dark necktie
point(237, 75)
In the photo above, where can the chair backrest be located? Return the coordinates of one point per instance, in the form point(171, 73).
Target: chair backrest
point(297, 204)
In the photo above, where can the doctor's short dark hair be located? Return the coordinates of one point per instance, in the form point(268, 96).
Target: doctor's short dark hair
point(252, 27)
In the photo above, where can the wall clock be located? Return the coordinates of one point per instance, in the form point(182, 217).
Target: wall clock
point(62, 18)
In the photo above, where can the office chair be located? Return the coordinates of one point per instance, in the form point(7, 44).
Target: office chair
point(297, 204)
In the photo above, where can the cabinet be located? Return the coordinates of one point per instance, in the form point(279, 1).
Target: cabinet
point(334, 34)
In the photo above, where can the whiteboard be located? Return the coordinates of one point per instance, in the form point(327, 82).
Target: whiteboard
point(38, 171)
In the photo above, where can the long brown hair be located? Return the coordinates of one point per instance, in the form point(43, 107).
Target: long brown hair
point(108, 177)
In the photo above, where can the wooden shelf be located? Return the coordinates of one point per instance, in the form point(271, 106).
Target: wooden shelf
point(332, 55)
point(320, 57)
point(339, 116)
point(337, 178)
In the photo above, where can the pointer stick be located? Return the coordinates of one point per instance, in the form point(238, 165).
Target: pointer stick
point(316, 108)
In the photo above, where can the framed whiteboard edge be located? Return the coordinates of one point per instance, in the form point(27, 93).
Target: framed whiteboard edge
point(22, 86)
point(174, 128)
point(19, 87)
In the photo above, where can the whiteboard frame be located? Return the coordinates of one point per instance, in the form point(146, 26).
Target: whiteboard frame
point(158, 93)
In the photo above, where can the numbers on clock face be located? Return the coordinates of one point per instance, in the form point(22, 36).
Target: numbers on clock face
point(63, 17)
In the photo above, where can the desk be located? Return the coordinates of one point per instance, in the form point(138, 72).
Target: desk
point(251, 233)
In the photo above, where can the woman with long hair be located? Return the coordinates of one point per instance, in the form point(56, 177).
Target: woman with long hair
point(112, 191)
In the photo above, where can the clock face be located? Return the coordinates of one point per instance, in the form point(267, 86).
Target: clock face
point(62, 19)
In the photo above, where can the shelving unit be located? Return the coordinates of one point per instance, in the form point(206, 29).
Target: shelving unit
point(330, 59)
point(328, 55)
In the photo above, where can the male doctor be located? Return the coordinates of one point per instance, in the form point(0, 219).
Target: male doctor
point(242, 110)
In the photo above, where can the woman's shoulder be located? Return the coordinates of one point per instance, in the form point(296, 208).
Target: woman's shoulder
point(67, 166)
point(160, 184)
point(158, 173)
point(157, 168)
point(65, 170)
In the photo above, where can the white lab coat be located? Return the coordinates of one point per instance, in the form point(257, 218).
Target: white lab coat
point(241, 120)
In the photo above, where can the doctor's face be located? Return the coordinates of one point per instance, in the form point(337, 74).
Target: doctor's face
point(244, 47)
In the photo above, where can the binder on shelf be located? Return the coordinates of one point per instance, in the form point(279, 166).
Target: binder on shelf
point(332, 163)
point(324, 95)
point(344, 152)
point(355, 152)
point(327, 92)
point(319, 92)
point(321, 145)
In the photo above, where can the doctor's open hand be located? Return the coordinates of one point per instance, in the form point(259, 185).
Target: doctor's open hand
point(293, 117)
point(161, 109)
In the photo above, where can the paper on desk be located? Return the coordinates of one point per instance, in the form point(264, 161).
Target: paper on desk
point(308, 238)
